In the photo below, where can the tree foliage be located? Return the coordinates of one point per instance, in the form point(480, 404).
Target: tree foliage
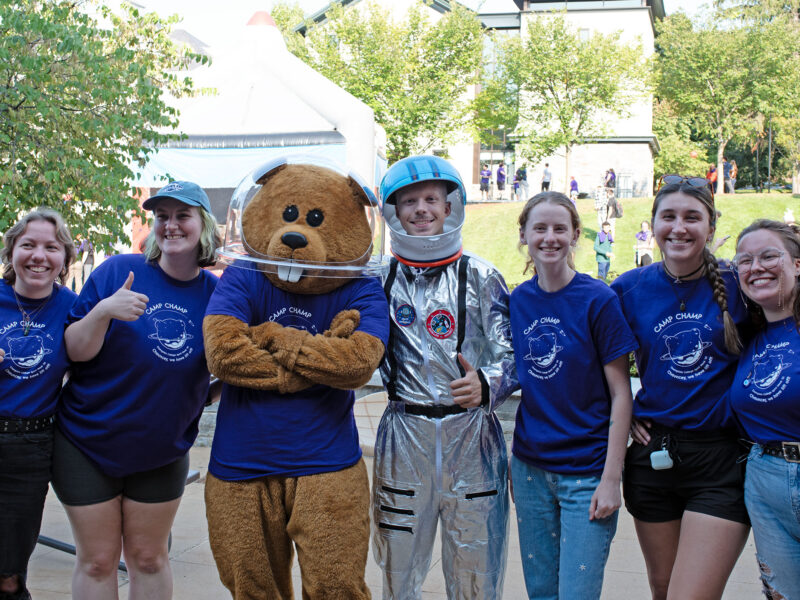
point(412, 73)
point(707, 74)
point(81, 103)
point(674, 135)
point(775, 24)
point(568, 86)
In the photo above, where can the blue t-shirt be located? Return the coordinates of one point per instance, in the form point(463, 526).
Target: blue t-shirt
point(33, 368)
point(562, 340)
point(485, 175)
point(262, 432)
point(766, 389)
point(501, 174)
point(685, 369)
point(135, 406)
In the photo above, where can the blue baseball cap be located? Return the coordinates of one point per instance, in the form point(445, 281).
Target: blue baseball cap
point(182, 191)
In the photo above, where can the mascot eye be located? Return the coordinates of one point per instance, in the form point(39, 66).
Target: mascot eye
point(315, 217)
point(291, 213)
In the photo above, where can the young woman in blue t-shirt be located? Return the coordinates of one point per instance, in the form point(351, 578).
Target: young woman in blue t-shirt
point(37, 251)
point(682, 482)
point(129, 413)
point(571, 344)
point(765, 396)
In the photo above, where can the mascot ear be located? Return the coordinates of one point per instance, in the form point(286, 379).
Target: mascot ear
point(271, 173)
point(359, 194)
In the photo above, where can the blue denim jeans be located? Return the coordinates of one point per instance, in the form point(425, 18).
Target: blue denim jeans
point(772, 496)
point(25, 460)
point(563, 553)
point(602, 269)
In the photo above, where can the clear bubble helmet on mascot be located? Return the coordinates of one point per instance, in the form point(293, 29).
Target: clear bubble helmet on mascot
point(424, 251)
point(292, 253)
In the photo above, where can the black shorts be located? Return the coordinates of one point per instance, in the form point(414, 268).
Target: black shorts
point(77, 481)
point(484, 186)
point(707, 477)
point(501, 185)
point(545, 186)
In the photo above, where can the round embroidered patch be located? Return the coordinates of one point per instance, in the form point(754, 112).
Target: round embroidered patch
point(405, 315)
point(440, 324)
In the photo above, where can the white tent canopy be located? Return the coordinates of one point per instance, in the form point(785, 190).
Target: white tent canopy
point(267, 102)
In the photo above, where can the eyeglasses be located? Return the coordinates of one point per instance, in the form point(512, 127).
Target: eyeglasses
point(768, 259)
point(694, 181)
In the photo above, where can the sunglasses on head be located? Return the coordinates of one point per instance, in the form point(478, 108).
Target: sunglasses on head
point(694, 181)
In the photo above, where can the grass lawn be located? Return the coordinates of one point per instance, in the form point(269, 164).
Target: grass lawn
point(491, 230)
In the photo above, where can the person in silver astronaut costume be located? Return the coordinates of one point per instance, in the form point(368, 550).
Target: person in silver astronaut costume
point(440, 453)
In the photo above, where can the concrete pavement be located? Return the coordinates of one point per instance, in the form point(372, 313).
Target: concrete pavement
point(196, 577)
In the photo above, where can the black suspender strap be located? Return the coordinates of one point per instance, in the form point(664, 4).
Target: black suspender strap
point(391, 384)
point(462, 305)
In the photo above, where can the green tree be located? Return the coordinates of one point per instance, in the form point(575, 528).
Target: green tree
point(674, 135)
point(715, 76)
point(80, 104)
point(412, 73)
point(287, 17)
point(776, 26)
point(568, 86)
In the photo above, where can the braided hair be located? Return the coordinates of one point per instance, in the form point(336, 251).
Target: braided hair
point(733, 343)
point(790, 236)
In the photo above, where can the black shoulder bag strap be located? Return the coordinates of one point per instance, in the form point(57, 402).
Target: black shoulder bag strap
point(462, 306)
point(391, 388)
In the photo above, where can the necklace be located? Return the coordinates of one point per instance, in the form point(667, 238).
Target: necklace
point(27, 317)
point(682, 301)
point(679, 278)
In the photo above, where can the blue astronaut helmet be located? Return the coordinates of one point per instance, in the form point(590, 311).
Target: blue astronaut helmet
point(425, 249)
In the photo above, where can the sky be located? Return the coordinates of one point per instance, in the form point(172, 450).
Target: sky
point(205, 20)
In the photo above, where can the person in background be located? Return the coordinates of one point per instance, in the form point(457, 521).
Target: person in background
point(603, 245)
point(546, 177)
point(610, 181)
point(726, 173)
point(523, 179)
point(129, 413)
point(711, 176)
point(683, 483)
point(764, 399)
point(571, 432)
point(734, 175)
point(573, 190)
point(645, 244)
point(501, 179)
point(486, 175)
point(37, 252)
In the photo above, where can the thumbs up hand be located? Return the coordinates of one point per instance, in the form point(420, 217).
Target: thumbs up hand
point(466, 390)
point(125, 304)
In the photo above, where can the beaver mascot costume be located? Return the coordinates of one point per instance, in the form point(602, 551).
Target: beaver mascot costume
point(293, 327)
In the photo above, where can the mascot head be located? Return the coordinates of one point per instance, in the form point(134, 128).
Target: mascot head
point(302, 221)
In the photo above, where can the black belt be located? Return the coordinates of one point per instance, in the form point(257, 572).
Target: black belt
point(789, 451)
point(25, 425)
point(434, 411)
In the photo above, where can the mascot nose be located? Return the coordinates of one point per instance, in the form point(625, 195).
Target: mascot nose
point(294, 240)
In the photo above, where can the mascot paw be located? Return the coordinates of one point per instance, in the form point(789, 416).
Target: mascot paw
point(263, 334)
point(344, 324)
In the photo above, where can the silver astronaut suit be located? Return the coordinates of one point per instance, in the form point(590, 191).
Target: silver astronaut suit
point(435, 461)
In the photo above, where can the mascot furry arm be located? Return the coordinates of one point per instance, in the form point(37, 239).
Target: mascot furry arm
point(272, 357)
